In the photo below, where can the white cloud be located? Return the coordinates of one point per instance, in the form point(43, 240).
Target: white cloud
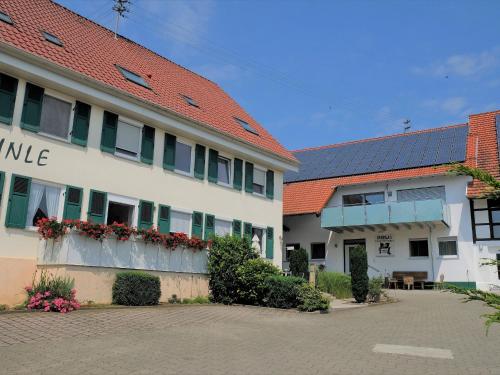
point(466, 65)
point(453, 105)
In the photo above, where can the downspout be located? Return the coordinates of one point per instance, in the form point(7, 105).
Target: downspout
point(432, 254)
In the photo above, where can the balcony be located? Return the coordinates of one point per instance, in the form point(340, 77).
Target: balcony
point(432, 211)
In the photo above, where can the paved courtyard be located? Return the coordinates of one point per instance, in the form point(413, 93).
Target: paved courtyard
point(448, 335)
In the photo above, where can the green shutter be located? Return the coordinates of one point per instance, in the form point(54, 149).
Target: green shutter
point(32, 108)
point(248, 177)
point(270, 184)
point(238, 174)
point(213, 157)
point(247, 231)
point(269, 243)
point(17, 208)
point(209, 226)
point(146, 209)
point(8, 90)
point(164, 219)
point(237, 228)
point(108, 134)
point(197, 225)
point(72, 203)
point(169, 152)
point(97, 206)
point(2, 182)
point(199, 162)
point(148, 144)
point(81, 121)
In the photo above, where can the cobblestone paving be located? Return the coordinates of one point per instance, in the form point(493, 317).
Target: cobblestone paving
point(245, 340)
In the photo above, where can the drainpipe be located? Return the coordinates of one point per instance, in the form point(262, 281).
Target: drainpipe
point(432, 254)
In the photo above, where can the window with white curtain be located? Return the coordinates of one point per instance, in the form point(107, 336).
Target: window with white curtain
point(259, 181)
point(180, 222)
point(43, 203)
point(128, 138)
point(222, 227)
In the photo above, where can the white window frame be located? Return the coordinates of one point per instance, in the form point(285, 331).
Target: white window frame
point(60, 205)
point(191, 164)
point(67, 99)
point(137, 124)
point(429, 249)
point(228, 158)
point(258, 167)
point(220, 218)
point(448, 239)
point(124, 200)
point(184, 211)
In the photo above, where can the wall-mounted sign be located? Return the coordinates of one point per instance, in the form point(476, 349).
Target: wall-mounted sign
point(23, 153)
point(384, 242)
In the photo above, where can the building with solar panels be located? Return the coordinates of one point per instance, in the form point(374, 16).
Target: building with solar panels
point(394, 196)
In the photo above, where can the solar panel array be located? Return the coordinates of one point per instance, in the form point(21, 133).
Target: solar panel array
point(380, 155)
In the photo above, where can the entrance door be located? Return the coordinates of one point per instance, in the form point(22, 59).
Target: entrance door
point(348, 246)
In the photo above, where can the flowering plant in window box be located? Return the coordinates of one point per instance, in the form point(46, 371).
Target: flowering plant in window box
point(122, 231)
point(151, 235)
point(51, 228)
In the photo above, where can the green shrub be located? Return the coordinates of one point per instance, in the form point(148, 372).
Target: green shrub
point(4, 307)
point(195, 300)
point(336, 283)
point(174, 299)
point(135, 288)
point(283, 291)
point(375, 288)
point(226, 255)
point(359, 273)
point(251, 280)
point(299, 262)
point(311, 299)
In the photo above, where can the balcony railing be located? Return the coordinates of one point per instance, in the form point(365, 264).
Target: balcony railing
point(423, 211)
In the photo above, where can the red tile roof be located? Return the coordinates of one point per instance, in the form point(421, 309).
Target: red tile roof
point(92, 50)
point(307, 197)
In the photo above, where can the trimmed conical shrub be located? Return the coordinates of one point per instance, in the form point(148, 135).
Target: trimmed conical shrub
point(359, 273)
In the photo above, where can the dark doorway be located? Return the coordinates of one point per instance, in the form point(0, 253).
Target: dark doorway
point(348, 246)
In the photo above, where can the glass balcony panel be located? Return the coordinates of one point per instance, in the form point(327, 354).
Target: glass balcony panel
point(377, 214)
point(354, 215)
point(402, 212)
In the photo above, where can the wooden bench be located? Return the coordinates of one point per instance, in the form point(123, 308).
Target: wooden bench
point(419, 277)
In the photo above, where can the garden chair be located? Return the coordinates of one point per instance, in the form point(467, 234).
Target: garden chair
point(408, 281)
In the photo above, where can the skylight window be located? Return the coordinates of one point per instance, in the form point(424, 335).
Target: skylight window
point(246, 126)
point(52, 38)
point(190, 101)
point(6, 18)
point(133, 77)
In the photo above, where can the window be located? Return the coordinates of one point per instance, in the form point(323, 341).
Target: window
point(55, 118)
point(447, 246)
point(43, 203)
point(133, 77)
point(120, 213)
point(180, 222)
point(259, 181)
point(190, 101)
point(363, 199)
point(289, 248)
point(223, 170)
point(222, 227)
point(245, 125)
point(419, 248)
point(52, 38)
point(498, 264)
point(259, 232)
point(318, 251)
point(128, 140)
point(6, 18)
point(419, 194)
point(486, 216)
point(183, 157)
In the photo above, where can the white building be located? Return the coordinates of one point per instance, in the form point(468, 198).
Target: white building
point(393, 195)
point(99, 128)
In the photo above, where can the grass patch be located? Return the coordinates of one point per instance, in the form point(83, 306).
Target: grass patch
point(335, 283)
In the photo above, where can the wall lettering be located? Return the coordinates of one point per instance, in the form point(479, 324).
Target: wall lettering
point(19, 151)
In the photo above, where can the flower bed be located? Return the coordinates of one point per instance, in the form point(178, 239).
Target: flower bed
point(52, 229)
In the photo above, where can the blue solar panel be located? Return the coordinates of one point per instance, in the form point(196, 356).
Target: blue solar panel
point(378, 155)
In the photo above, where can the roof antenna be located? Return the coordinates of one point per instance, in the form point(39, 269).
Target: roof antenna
point(121, 7)
point(407, 124)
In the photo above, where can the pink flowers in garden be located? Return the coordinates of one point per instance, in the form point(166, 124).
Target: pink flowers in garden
point(45, 301)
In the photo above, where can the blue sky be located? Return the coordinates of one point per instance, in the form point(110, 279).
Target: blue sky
point(321, 72)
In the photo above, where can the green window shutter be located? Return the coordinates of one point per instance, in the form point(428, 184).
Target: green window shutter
point(199, 162)
point(32, 108)
point(2, 182)
point(209, 226)
point(213, 157)
point(238, 174)
point(81, 121)
point(146, 209)
point(269, 243)
point(108, 134)
point(97, 206)
point(164, 219)
point(237, 228)
point(197, 225)
point(17, 208)
point(270, 184)
point(8, 90)
point(148, 144)
point(72, 203)
point(248, 177)
point(169, 152)
point(247, 231)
